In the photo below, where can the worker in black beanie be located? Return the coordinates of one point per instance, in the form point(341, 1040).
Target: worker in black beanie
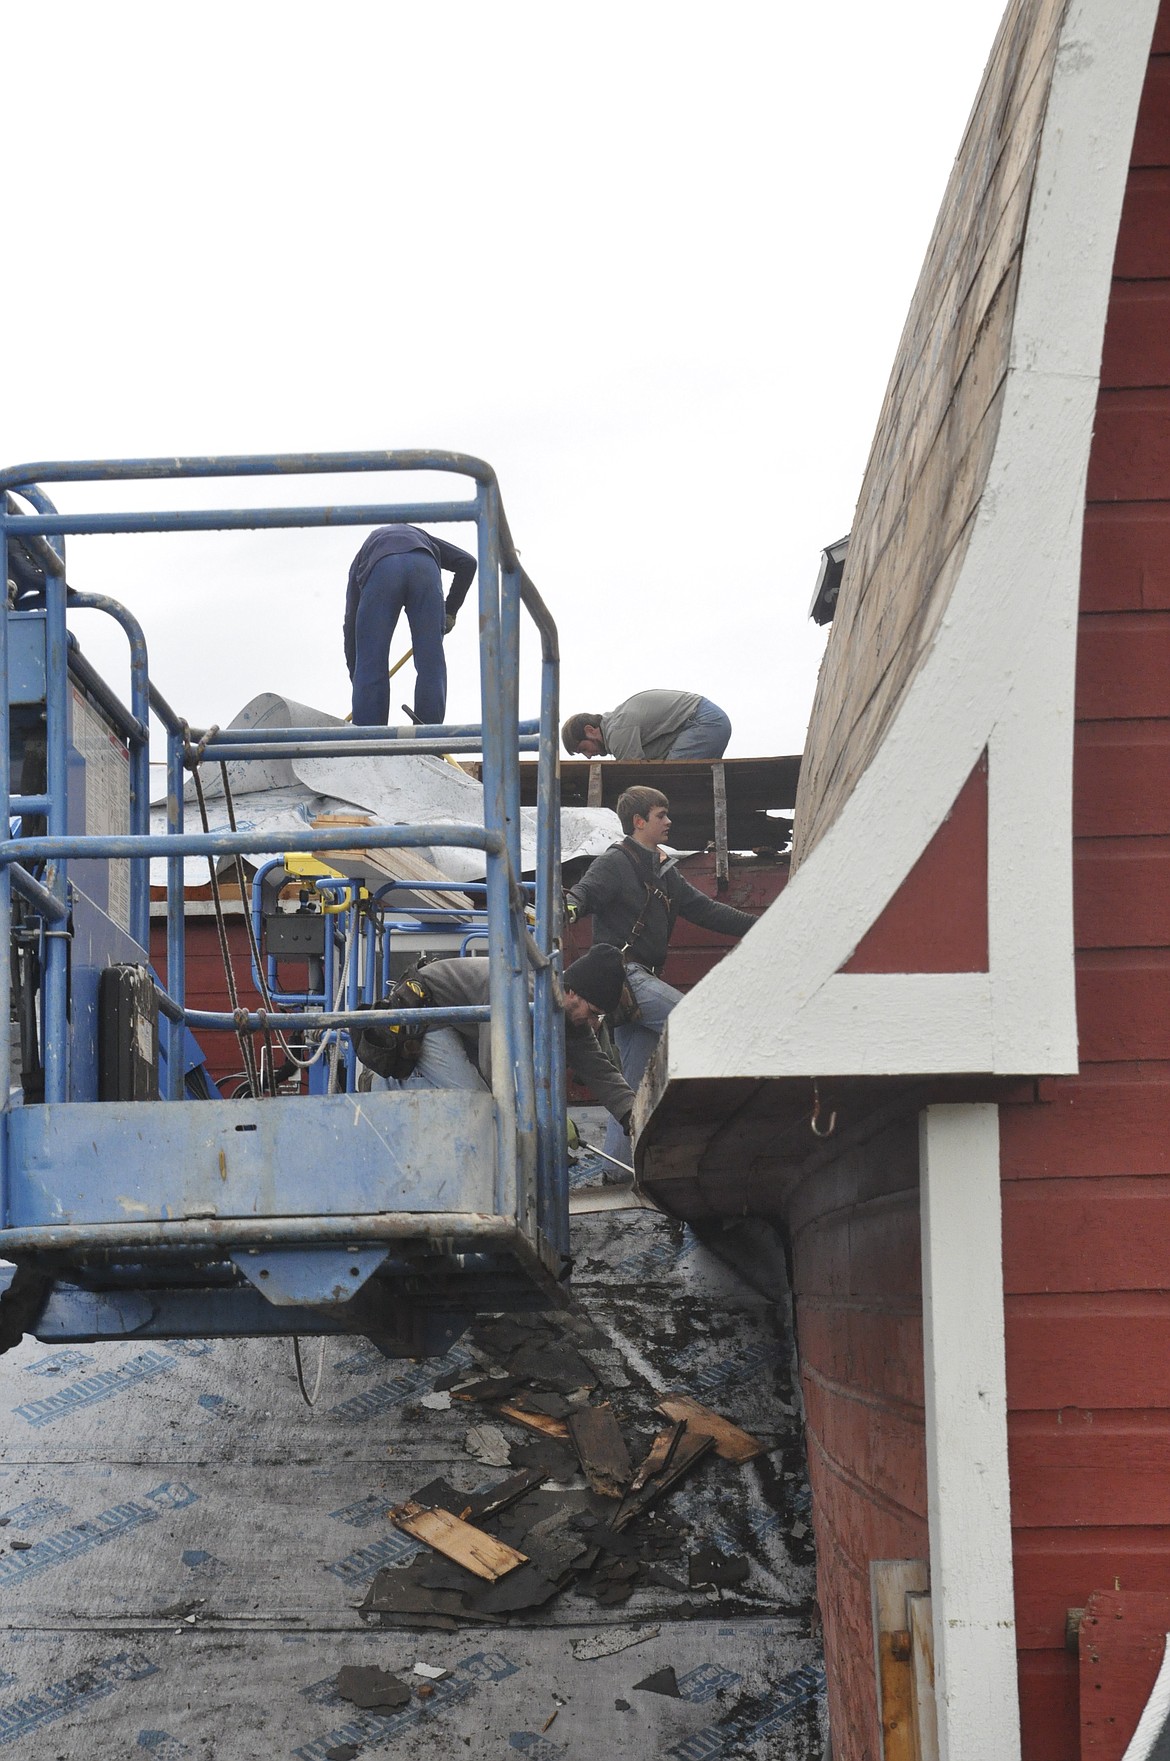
point(596, 979)
point(460, 1057)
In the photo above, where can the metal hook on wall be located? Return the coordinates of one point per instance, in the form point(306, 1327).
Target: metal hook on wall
point(817, 1129)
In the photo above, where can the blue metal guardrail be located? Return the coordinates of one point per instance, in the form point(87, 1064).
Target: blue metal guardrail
point(527, 1064)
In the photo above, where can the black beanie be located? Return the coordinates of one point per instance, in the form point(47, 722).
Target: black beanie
point(598, 976)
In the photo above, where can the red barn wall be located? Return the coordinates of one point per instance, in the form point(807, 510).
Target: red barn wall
point(206, 985)
point(1086, 1170)
point(1086, 1166)
point(857, 1287)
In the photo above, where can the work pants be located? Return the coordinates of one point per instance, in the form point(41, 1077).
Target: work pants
point(443, 1063)
point(408, 581)
point(636, 1041)
point(704, 736)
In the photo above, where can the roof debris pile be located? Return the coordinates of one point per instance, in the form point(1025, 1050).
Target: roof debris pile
point(582, 1508)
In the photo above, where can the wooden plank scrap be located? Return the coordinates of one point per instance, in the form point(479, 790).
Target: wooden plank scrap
point(891, 1580)
point(399, 865)
point(688, 1451)
point(535, 1421)
point(731, 1443)
point(919, 1621)
point(659, 1454)
point(719, 797)
point(601, 1449)
point(457, 1540)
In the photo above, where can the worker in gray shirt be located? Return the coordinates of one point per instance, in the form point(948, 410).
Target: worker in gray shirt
point(635, 893)
point(653, 724)
point(460, 1057)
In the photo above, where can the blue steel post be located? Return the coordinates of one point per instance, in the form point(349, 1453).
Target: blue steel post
point(509, 689)
point(139, 753)
point(176, 917)
point(353, 986)
point(5, 892)
point(510, 708)
point(503, 963)
point(370, 991)
point(56, 999)
point(550, 1026)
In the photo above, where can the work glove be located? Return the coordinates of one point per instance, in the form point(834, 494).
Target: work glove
point(448, 623)
point(572, 909)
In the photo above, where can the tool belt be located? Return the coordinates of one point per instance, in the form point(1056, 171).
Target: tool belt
point(392, 1050)
point(628, 1010)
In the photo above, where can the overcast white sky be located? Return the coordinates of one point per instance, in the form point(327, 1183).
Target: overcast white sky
point(650, 260)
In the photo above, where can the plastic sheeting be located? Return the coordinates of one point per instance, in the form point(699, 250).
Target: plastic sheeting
point(287, 794)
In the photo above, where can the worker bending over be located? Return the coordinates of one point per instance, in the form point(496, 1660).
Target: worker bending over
point(634, 894)
point(460, 1057)
point(654, 724)
point(397, 570)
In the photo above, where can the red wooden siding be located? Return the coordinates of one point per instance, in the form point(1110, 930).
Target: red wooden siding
point(1123, 1640)
point(1086, 1169)
point(1086, 1166)
point(858, 1295)
point(206, 985)
point(937, 920)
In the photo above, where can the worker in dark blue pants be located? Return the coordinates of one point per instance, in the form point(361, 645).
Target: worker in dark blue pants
point(397, 569)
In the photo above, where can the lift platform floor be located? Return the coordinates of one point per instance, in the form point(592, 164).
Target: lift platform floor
point(184, 1544)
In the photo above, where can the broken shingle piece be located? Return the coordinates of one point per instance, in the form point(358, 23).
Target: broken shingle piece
point(602, 1449)
point(487, 1443)
point(555, 1547)
point(487, 1388)
point(731, 1443)
point(545, 1455)
point(612, 1640)
point(663, 1580)
point(371, 1688)
point(526, 1588)
point(481, 1553)
point(497, 1498)
point(553, 1406)
point(722, 1571)
point(556, 1367)
point(507, 1333)
point(440, 1491)
point(663, 1681)
point(397, 1593)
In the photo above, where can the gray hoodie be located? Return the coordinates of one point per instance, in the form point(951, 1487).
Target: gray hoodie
point(460, 982)
point(647, 725)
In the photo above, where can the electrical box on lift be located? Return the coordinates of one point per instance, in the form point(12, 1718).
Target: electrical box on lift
point(127, 1035)
point(295, 934)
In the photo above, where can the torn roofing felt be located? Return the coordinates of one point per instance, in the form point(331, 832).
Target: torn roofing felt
point(287, 794)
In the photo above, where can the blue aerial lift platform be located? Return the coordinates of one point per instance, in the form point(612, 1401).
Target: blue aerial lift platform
point(129, 1209)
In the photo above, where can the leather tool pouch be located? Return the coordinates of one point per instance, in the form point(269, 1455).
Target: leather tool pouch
point(394, 1051)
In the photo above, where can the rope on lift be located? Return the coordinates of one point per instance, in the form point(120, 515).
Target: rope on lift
point(192, 755)
point(254, 950)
